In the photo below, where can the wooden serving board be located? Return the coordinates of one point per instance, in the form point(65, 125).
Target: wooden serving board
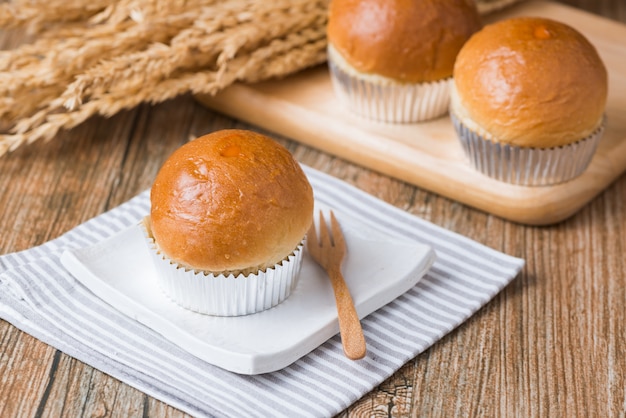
point(304, 107)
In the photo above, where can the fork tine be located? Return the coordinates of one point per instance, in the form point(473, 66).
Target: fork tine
point(324, 236)
point(338, 238)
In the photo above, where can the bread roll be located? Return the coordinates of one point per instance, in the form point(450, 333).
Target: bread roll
point(411, 41)
point(232, 200)
point(530, 82)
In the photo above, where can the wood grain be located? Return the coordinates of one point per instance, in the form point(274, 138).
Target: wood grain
point(550, 344)
point(429, 154)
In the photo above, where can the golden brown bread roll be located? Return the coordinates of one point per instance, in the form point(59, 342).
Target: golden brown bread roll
point(411, 41)
point(232, 200)
point(530, 82)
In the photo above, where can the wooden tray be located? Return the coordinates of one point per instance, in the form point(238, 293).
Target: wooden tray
point(304, 107)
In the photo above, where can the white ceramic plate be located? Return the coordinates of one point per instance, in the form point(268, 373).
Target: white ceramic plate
point(378, 268)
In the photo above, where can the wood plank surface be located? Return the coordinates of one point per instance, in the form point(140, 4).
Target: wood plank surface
point(551, 344)
point(429, 154)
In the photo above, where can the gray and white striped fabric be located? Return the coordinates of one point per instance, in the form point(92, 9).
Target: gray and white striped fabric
point(40, 297)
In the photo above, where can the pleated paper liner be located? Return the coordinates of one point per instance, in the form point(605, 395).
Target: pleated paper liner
point(526, 166)
point(225, 294)
point(380, 98)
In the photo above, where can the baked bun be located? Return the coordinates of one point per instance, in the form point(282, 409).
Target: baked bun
point(412, 41)
point(232, 200)
point(530, 82)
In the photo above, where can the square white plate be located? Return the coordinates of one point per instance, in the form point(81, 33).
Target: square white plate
point(377, 269)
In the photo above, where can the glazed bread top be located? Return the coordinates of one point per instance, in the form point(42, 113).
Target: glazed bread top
point(230, 201)
point(409, 41)
point(530, 82)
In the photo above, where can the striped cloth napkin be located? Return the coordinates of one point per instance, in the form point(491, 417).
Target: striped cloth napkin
point(40, 297)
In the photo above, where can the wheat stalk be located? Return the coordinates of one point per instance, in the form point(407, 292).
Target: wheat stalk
point(144, 10)
point(148, 51)
point(29, 13)
point(303, 49)
point(209, 42)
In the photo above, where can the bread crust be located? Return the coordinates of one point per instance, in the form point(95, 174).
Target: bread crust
point(406, 40)
point(232, 200)
point(530, 82)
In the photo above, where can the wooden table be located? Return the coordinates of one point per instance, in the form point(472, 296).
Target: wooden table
point(551, 344)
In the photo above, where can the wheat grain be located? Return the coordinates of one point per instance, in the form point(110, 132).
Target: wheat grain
point(212, 40)
point(34, 68)
point(117, 60)
point(288, 55)
point(143, 10)
point(29, 13)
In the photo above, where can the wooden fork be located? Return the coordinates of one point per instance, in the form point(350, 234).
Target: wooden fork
point(328, 252)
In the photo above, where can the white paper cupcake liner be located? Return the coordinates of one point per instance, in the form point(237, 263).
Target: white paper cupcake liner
point(221, 295)
point(523, 165)
point(385, 100)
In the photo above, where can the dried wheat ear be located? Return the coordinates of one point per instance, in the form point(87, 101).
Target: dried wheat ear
point(102, 56)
